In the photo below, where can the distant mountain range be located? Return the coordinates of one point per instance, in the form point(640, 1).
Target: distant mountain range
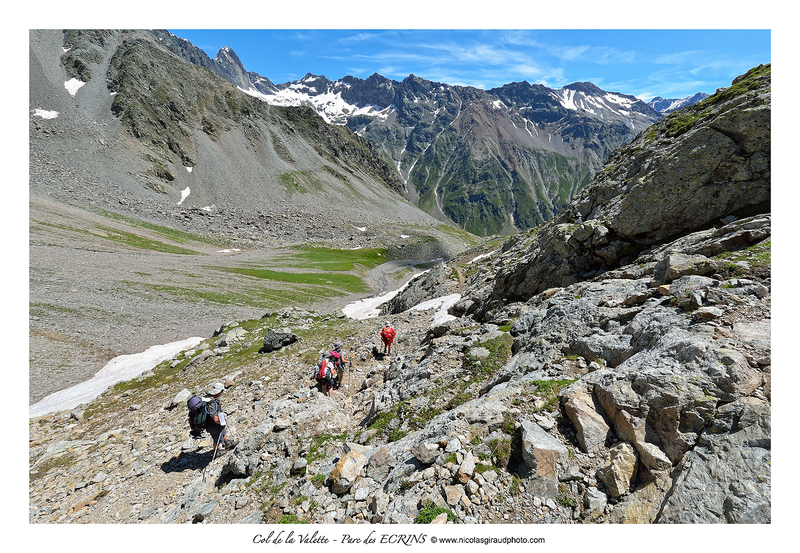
point(662, 105)
point(491, 161)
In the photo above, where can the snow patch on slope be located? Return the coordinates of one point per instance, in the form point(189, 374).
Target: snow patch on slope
point(44, 114)
point(184, 194)
point(73, 85)
point(119, 369)
point(330, 105)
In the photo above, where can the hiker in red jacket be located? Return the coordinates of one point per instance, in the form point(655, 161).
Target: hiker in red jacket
point(387, 335)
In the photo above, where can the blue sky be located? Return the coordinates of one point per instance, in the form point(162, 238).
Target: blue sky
point(644, 63)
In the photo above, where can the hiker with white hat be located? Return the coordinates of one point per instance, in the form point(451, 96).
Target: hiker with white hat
point(215, 420)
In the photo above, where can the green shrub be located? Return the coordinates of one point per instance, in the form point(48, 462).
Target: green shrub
point(291, 519)
point(318, 480)
point(430, 512)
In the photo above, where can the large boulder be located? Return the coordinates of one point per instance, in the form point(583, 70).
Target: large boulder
point(585, 414)
point(541, 453)
point(727, 477)
point(244, 460)
point(380, 464)
point(347, 471)
point(676, 265)
point(277, 339)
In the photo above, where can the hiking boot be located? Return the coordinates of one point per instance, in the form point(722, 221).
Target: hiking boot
point(221, 451)
point(231, 444)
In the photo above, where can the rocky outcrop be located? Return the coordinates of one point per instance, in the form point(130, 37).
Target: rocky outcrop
point(706, 166)
point(700, 164)
point(661, 417)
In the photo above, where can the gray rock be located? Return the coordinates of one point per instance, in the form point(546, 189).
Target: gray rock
point(299, 466)
point(685, 285)
point(542, 454)
point(380, 464)
point(466, 469)
point(180, 399)
point(594, 501)
point(205, 510)
point(674, 266)
point(277, 339)
point(707, 313)
point(253, 518)
point(727, 477)
point(621, 471)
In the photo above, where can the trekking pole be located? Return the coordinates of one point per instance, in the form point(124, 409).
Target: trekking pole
point(216, 447)
point(352, 356)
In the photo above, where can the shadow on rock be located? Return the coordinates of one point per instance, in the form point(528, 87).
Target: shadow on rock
point(188, 460)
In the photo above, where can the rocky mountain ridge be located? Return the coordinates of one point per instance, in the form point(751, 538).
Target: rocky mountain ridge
point(665, 106)
point(634, 390)
point(492, 162)
point(172, 129)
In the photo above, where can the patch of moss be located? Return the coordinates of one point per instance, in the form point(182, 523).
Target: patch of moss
point(316, 451)
point(58, 461)
point(430, 512)
point(499, 352)
point(548, 390)
point(291, 519)
point(752, 80)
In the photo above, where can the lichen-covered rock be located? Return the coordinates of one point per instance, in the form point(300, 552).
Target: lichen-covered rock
point(620, 472)
point(346, 471)
point(726, 479)
point(277, 339)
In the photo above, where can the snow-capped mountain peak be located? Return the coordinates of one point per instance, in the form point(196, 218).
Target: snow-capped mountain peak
point(665, 106)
